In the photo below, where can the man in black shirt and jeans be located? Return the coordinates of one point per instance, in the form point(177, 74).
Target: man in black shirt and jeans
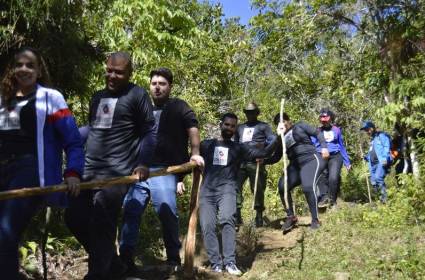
point(218, 192)
point(176, 123)
point(121, 136)
point(257, 134)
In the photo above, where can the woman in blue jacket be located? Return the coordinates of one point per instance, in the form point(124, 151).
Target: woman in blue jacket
point(330, 180)
point(36, 126)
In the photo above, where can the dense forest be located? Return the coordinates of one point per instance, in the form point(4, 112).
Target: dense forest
point(364, 59)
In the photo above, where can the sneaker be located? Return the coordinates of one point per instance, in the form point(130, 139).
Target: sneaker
point(332, 207)
point(217, 268)
point(174, 265)
point(315, 224)
point(232, 269)
point(290, 223)
point(323, 203)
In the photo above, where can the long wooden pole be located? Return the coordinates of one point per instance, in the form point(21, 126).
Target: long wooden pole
point(257, 173)
point(24, 192)
point(189, 249)
point(284, 156)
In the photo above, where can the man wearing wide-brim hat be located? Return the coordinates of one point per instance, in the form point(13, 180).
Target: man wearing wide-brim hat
point(254, 133)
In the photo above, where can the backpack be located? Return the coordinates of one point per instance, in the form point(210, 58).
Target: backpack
point(395, 148)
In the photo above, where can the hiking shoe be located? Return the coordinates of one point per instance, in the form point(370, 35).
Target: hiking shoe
point(239, 220)
point(174, 265)
point(315, 224)
point(232, 269)
point(217, 268)
point(323, 203)
point(259, 219)
point(290, 223)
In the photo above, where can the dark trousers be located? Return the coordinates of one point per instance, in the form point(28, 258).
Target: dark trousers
point(305, 173)
point(225, 204)
point(92, 217)
point(16, 214)
point(330, 180)
point(248, 171)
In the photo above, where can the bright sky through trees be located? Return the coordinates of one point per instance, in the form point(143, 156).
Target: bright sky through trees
point(237, 8)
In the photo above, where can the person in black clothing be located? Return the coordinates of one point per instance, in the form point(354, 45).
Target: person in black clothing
point(254, 133)
point(176, 123)
point(218, 192)
point(304, 168)
point(121, 139)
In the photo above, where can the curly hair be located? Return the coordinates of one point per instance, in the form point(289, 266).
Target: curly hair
point(8, 86)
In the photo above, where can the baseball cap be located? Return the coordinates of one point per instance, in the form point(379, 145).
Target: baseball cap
point(367, 125)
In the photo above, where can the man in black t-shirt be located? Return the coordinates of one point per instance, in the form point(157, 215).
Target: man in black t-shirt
point(121, 140)
point(177, 126)
point(218, 192)
point(255, 133)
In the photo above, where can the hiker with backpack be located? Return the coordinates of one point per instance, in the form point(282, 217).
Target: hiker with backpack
point(330, 180)
point(379, 157)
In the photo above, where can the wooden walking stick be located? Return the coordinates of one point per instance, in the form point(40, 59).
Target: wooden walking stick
point(367, 177)
point(24, 192)
point(189, 249)
point(257, 172)
point(284, 157)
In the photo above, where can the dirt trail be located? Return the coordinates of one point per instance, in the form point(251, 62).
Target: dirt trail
point(252, 245)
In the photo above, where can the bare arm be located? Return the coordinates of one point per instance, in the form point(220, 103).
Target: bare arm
point(195, 141)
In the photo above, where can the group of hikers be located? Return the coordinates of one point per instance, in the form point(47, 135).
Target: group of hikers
point(133, 132)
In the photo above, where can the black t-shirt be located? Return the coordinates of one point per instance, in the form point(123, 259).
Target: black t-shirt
point(18, 127)
point(175, 118)
point(298, 143)
point(222, 160)
point(254, 134)
point(117, 123)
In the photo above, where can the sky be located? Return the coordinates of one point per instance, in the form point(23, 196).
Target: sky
point(236, 8)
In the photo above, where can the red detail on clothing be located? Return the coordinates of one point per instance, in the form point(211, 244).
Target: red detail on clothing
point(71, 173)
point(62, 113)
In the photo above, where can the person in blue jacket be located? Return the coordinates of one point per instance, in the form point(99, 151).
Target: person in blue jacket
point(330, 179)
point(378, 158)
point(36, 126)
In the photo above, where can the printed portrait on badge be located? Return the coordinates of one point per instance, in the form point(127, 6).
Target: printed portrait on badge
point(329, 135)
point(289, 139)
point(10, 119)
point(220, 156)
point(247, 135)
point(105, 113)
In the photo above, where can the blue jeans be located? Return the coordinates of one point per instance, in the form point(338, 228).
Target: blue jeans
point(377, 178)
point(15, 214)
point(162, 191)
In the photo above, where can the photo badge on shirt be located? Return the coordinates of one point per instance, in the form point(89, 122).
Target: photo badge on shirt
point(247, 134)
point(105, 113)
point(220, 156)
point(329, 135)
point(289, 139)
point(10, 119)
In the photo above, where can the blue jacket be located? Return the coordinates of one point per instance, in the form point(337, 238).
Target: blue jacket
point(56, 132)
point(381, 143)
point(335, 141)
